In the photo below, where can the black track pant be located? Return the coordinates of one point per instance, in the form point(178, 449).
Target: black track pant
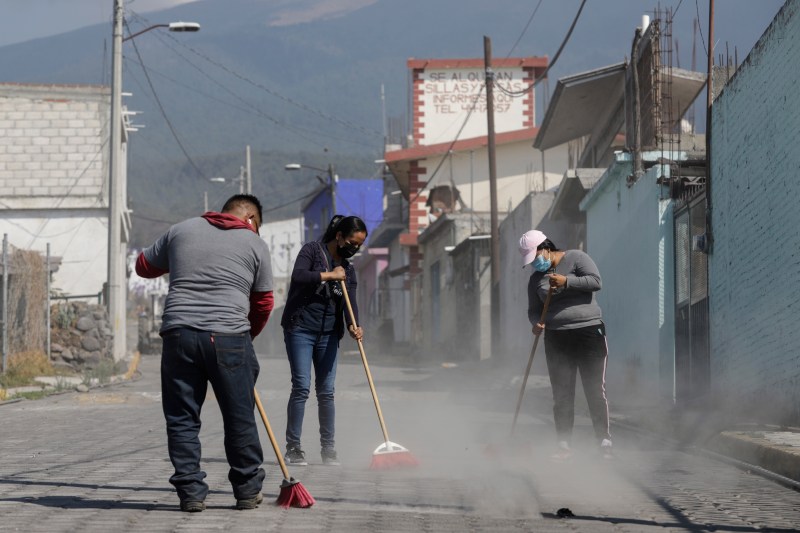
point(570, 350)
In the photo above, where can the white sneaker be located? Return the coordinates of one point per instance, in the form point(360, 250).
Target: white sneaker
point(606, 449)
point(563, 452)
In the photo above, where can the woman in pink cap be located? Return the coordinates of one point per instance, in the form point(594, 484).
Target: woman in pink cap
point(575, 337)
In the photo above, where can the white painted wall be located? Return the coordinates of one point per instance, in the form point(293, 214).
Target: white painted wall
point(285, 238)
point(53, 174)
point(449, 94)
point(519, 171)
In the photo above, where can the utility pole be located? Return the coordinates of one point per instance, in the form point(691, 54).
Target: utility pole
point(47, 302)
point(709, 237)
point(495, 232)
point(248, 175)
point(332, 180)
point(6, 268)
point(115, 297)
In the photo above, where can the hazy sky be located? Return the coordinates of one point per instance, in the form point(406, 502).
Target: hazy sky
point(22, 20)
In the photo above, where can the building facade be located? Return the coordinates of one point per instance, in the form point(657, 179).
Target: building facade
point(53, 178)
point(755, 131)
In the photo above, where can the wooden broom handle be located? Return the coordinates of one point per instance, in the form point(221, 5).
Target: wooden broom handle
point(271, 436)
point(366, 366)
point(530, 360)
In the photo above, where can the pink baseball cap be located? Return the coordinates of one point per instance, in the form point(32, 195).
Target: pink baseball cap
point(528, 244)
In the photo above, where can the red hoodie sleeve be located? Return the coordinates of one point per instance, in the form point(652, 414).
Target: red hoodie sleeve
point(146, 270)
point(261, 304)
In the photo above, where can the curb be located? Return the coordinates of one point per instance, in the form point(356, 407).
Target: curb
point(753, 448)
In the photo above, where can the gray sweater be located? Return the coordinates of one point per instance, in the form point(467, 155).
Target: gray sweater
point(212, 272)
point(573, 306)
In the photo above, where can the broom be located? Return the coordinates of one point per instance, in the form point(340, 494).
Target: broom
point(293, 493)
point(530, 360)
point(389, 454)
point(494, 450)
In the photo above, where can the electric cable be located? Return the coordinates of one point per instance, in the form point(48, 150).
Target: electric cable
point(450, 148)
point(272, 92)
point(164, 113)
point(543, 75)
point(524, 30)
point(250, 107)
point(699, 27)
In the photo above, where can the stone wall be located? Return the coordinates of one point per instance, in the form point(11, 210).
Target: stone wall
point(80, 335)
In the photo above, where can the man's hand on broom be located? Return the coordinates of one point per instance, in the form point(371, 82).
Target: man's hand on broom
point(356, 332)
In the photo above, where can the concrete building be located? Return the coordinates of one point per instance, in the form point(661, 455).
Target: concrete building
point(753, 266)
point(444, 171)
point(625, 119)
point(556, 213)
point(53, 178)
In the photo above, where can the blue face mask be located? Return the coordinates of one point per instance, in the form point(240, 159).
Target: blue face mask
point(540, 264)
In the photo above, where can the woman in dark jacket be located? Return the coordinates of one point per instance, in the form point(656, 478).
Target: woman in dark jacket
point(313, 323)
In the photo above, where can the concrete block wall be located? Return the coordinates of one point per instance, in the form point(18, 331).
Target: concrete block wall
point(754, 269)
point(53, 168)
point(53, 149)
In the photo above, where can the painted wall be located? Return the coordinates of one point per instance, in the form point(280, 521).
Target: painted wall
point(285, 238)
point(362, 198)
point(442, 322)
point(531, 213)
point(446, 96)
point(519, 171)
point(629, 236)
point(755, 353)
point(399, 296)
point(53, 169)
point(317, 214)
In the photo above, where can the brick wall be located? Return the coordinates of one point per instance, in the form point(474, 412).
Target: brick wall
point(52, 145)
point(754, 269)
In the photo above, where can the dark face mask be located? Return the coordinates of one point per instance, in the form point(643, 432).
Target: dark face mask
point(347, 251)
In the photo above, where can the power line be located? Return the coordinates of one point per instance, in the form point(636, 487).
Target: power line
point(450, 148)
point(251, 108)
point(63, 197)
point(543, 75)
point(287, 204)
point(272, 92)
point(524, 30)
point(699, 27)
point(163, 112)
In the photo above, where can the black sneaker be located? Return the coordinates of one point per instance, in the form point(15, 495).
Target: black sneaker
point(192, 506)
point(244, 504)
point(295, 456)
point(329, 457)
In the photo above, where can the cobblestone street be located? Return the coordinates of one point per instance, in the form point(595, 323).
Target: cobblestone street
point(98, 462)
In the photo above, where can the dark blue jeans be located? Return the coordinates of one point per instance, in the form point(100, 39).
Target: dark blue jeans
point(305, 348)
point(190, 360)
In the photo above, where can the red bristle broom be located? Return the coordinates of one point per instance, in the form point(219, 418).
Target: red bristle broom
point(293, 493)
point(389, 454)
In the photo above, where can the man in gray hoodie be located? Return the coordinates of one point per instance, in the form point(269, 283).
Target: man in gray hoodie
point(220, 297)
